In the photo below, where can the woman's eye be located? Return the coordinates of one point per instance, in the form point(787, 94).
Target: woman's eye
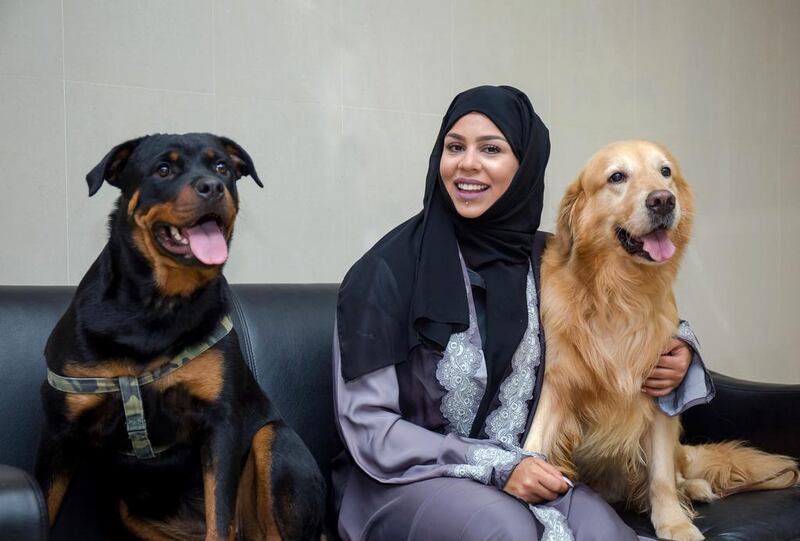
point(616, 178)
point(221, 168)
point(492, 149)
point(666, 171)
point(455, 147)
point(163, 170)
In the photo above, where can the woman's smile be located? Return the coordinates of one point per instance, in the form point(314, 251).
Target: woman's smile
point(470, 188)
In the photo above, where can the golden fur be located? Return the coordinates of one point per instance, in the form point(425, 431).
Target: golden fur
point(607, 316)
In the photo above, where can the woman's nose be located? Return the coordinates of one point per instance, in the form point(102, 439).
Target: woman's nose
point(469, 160)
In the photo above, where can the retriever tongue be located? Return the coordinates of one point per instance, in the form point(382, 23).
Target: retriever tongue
point(658, 245)
point(207, 243)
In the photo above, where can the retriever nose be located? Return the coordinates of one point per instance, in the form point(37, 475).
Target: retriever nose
point(209, 188)
point(661, 202)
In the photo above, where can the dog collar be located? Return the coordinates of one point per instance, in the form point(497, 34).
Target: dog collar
point(129, 388)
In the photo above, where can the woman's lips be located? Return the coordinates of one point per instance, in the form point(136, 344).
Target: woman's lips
point(470, 189)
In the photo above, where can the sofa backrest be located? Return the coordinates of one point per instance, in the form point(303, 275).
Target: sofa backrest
point(285, 331)
point(286, 334)
point(27, 315)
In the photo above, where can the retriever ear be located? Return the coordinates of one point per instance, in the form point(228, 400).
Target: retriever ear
point(565, 224)
point(241, 160)
point(686, 200)
point(111, 166)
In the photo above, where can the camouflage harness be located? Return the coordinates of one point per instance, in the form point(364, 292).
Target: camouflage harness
point(129, 388)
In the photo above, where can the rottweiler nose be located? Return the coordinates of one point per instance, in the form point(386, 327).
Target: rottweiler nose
point(660, 202)
point(210, 189)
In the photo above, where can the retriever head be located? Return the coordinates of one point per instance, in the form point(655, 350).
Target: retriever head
point(630, 202)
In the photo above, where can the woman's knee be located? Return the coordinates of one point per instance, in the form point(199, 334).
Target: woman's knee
point(506, 519)
point(592, 519)
point(460, 509)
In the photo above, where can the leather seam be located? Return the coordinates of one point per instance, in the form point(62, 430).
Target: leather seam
point(245, 338)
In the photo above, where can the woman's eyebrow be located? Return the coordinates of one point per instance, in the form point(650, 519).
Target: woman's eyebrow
point(481, 138)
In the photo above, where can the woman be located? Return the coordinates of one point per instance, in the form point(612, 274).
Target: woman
point(438, 348)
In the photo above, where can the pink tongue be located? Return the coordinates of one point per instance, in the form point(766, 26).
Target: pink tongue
point(658, 245)
point(207, 243)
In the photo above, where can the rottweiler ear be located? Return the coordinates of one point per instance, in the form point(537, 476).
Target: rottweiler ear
point(111, 166)
point(565, 224)
point(241, 160)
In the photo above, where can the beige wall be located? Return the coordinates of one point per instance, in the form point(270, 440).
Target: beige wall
point(339, 101)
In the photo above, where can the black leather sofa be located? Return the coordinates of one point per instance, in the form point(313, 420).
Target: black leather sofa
point(286, 336)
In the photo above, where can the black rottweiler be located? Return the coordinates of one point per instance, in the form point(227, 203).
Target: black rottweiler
point(145, 374)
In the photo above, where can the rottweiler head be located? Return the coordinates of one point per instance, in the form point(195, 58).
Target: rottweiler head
point(179, 202)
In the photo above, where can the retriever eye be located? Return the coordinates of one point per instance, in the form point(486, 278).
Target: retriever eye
point(163, 170)
point(221, 168)
point(666, 171)
point(617, 177)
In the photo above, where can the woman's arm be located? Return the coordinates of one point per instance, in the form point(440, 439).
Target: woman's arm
point(392, 450)
point(680, 380)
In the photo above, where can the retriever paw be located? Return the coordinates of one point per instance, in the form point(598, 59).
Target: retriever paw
point(698, 490)
point(680, 532)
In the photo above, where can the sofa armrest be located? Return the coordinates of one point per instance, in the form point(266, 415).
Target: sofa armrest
point(766, 415)
point(23, 516)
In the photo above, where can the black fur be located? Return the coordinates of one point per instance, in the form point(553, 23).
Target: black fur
point(119, 312)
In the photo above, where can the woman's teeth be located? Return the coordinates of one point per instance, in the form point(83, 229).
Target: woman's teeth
point(471, 187)
point(176, 234)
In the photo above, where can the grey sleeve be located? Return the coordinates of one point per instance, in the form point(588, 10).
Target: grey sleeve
point(696, 387)
point(392, 450)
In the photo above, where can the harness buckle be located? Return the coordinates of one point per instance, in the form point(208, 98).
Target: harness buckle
point(135, 422)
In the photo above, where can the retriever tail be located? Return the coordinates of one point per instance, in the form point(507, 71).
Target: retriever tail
point(732, 467)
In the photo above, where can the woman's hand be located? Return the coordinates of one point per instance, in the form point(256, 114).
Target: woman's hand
point(671, 369)
point(535, 481)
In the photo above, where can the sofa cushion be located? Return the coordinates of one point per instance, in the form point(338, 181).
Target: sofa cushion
point(768, 515)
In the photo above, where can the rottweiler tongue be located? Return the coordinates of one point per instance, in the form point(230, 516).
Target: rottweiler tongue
point(658, 245)
point(207, 243)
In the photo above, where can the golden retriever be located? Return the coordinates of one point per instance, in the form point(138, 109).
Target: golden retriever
point(608, 311)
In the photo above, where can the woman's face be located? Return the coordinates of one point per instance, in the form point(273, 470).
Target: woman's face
point(477, 164)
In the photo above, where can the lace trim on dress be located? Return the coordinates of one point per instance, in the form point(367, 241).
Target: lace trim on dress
point(483, 461)
point(507, 422)
point(554, 522)
point(457, 372)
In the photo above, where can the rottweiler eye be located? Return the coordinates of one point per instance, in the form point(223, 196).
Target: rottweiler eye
point(666, 171)
point(163, 170)
point(221, 168)
point(616, 178)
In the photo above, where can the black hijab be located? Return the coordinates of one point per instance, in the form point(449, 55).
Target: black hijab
point(409, 288)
